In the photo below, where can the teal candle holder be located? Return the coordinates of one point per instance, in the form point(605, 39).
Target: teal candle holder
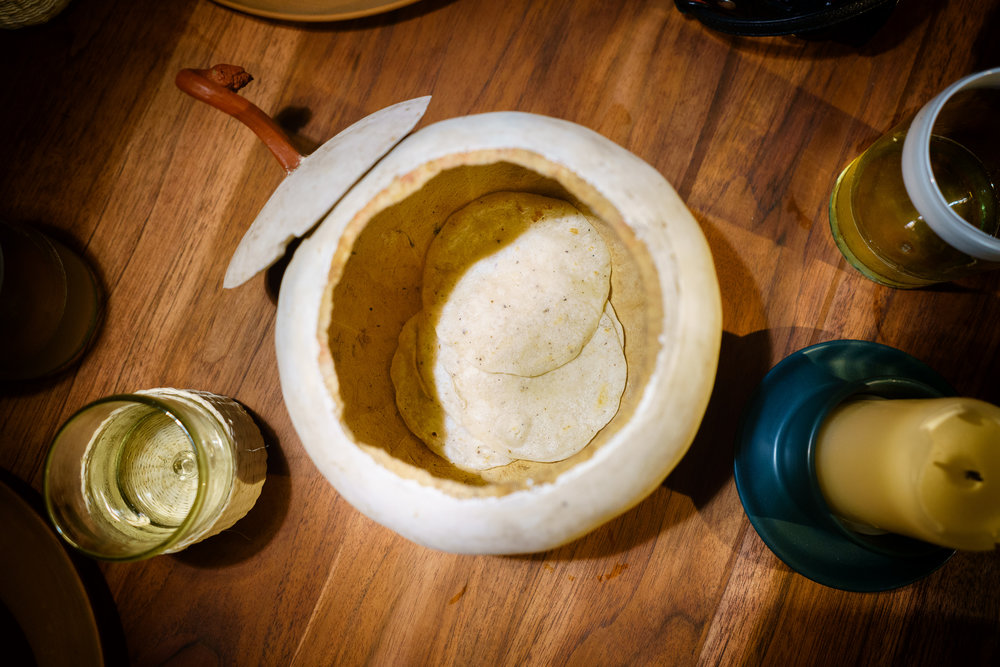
point(775, 471)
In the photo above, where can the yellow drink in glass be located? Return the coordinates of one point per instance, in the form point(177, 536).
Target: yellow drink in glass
point(135, 475)
point(921, 205)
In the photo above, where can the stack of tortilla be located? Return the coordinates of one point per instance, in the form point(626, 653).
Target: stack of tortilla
point(517, 352)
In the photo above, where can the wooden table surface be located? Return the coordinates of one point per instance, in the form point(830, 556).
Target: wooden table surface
point(157, 190)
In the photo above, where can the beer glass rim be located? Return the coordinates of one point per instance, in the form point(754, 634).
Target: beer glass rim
point(201, 458)
point(917, 175)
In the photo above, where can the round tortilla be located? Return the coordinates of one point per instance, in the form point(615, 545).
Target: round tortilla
point(544, 418)
point(516, 283)
point(425, 417)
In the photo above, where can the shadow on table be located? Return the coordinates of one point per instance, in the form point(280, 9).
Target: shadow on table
point(253, 532)
point(708, 465)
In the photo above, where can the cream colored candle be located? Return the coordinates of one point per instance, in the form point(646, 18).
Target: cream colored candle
point(925, 468)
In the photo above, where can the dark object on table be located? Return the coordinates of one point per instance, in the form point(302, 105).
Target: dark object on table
point(815, 19)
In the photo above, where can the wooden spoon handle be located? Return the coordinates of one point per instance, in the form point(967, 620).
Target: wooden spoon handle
point(216, 87)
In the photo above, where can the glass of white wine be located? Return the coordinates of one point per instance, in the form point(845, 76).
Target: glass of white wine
point(132, 476)
point(922, 204)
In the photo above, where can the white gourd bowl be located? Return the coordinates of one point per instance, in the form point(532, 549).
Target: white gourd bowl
point(353, 283)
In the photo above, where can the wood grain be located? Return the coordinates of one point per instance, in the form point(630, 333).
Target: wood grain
point(156, 189)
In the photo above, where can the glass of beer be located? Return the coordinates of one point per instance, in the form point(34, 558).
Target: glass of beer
point(136, 475)
point(922, 204)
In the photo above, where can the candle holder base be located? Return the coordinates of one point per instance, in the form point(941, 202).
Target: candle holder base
point(775, 474)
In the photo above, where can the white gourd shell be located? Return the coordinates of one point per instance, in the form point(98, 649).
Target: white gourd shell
point(669, 304)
